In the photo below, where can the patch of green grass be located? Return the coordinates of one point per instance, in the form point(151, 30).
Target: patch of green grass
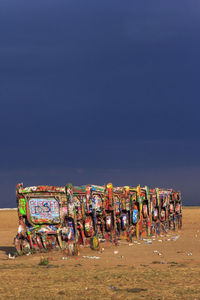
point(44, 261)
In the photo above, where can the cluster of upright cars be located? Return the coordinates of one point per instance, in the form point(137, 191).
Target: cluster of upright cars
point(52, 217)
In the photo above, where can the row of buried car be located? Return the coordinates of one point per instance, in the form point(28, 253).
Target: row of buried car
point(53, 217)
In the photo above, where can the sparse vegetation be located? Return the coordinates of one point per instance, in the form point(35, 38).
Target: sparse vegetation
point(44, 261)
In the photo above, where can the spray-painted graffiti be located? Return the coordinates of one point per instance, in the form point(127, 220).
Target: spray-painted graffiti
point(65, 217)
point(22, 206)
point(43, 209)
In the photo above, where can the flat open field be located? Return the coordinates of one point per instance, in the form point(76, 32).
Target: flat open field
point(169, 268)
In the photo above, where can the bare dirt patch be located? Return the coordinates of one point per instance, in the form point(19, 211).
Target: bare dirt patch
point(169, 268)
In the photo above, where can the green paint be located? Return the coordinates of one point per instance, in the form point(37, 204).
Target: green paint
point(147, 192)
point(22, 206)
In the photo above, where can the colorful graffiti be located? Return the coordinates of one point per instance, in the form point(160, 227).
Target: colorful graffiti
point(44, 210)
point(66, 217)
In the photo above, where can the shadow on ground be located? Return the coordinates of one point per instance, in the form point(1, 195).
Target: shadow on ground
point(7, 249)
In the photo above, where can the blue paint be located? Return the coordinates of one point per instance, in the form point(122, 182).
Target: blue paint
point(44, 209)
point(135, 214)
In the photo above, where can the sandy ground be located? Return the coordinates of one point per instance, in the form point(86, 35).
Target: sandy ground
point(169, 268)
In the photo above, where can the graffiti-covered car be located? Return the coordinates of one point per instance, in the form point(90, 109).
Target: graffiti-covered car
point(44, 219)
point(52, 217)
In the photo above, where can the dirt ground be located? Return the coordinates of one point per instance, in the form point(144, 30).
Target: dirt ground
point(169, 268)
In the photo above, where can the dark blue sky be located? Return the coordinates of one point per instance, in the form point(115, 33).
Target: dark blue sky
point(100, 91)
